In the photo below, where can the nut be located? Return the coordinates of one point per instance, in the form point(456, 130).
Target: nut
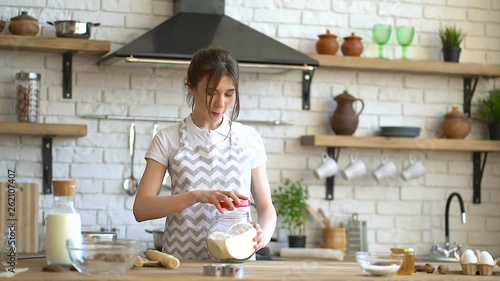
point(443, 269)
point(53, 268)
point(429, 268)
point(420, 268)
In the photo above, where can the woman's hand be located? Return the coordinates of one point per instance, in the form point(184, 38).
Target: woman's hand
point(217, 196)
point(259, 238)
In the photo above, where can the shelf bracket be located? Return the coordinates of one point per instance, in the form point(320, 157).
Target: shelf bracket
point(67, 74)
point(477, 171)
point(307, 76)
point(330, 182)
point(47, 164)
point(469, 90)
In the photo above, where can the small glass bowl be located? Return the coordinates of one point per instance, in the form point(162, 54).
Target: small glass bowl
point(91, 256)
point(379, 264)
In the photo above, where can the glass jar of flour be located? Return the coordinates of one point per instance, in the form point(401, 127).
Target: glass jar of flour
point(230, 236)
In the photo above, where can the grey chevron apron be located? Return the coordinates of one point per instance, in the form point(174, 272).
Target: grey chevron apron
point(207, 167)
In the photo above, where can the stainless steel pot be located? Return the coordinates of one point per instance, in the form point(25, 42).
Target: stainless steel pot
point(158, 238)
point(73, 28)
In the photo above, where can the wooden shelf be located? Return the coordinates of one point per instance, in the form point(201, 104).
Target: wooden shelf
point(409, 66)
point(402, 143)
point(48, 132)
point(39, 129)
point(54, 44)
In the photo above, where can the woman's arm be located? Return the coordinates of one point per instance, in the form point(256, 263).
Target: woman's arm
point(261, 193)
point(148, 205)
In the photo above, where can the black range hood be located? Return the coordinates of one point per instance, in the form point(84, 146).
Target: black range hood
point(200, 24)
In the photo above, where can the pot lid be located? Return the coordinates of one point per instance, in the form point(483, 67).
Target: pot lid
point(353, 36)
point(24, 16)
point(455, 113)
point(243, 203)
point(327, 35)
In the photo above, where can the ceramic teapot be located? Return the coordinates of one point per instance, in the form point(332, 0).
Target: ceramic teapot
point(455, 124)
point(345, 120)
point(327, 44)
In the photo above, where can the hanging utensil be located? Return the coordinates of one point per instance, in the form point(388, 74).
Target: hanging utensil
point(131, 184)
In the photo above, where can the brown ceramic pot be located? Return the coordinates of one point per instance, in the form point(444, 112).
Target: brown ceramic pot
point(345, 120)
point(327, 44)
point(24, 24)
point(2, 25)
point(455, 124)
point(352, 46)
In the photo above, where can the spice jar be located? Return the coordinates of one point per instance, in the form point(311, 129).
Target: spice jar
point(230, 236)
point(28, 96)
point(408, 266)
point(63, 222)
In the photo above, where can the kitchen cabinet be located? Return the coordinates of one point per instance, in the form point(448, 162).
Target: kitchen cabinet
point(470, 72)
point(48, 131)
point(314, 269)
point(65, 46)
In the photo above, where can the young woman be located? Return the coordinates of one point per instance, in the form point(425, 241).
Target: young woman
point(210, 158)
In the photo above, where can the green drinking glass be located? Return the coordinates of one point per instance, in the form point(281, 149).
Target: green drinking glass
point(381, 35)
point(404, 36)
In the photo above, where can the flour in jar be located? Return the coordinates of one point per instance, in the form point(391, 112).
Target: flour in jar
point(237, 243)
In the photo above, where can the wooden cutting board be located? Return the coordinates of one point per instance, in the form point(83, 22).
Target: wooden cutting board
point(26, 204)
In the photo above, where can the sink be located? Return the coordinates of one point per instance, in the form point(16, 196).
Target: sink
point(434, 258)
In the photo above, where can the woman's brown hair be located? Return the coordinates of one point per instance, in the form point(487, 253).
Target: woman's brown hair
point(214, 63)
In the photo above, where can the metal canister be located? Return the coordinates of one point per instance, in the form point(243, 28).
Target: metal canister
point(408, 266)
point(28, 96)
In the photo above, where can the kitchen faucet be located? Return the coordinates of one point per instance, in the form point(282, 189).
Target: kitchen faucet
point(446, 250)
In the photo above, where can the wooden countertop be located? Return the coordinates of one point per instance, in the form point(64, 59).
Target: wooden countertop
point(254, 270)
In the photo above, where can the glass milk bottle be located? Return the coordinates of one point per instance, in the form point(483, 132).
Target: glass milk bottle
point(63, 222)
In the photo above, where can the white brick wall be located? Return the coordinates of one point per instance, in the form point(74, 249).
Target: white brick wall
point(398, 213)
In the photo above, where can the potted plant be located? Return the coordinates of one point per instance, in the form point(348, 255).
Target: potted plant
point(290, 200)
point(451, 38)
point(488, 112)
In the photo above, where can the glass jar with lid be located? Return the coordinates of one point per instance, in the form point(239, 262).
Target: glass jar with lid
point(28, 96)
point(230, 237)
point(408, 266)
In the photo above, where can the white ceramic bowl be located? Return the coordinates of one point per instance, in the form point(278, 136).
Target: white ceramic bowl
point(379, 264)
point(90, 256)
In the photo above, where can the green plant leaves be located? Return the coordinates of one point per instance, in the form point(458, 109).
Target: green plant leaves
point(451, 36)
point(290, 200)
point(489, 110)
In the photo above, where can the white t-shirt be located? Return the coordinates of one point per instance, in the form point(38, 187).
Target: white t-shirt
point(166, 143)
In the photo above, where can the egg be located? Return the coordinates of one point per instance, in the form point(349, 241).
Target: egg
point(485, 258)
point(468, 257)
